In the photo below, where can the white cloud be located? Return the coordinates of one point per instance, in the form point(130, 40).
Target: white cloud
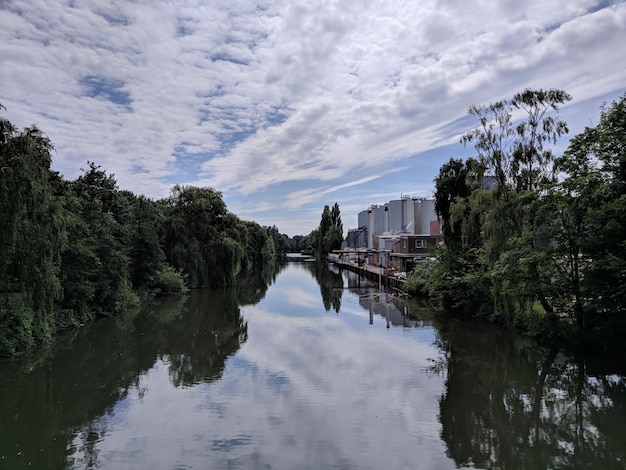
point(298, 198)
point(250, 98)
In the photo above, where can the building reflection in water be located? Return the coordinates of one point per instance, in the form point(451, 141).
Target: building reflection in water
point(389, 304)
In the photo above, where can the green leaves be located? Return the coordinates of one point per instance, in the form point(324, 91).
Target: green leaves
point(208, 243)
point(553, 248)
point(515, 154)
point(590, 229)
point(329, 234)
point(70, 250)
point(31, 231)
point(491, 263)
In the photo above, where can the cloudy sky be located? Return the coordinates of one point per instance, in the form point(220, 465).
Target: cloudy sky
point(287, 105)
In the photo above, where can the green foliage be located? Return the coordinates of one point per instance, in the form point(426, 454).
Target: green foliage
point(31, 231)
point(206, 242)
point(326, 237)
point(462, 284)
point(228, 256)
point(329, 234)
point(267, 253)
point(514, 153)
point(491, 263)
point(260, 248)
point(453, 186)
point(168, 282)
point(460, 280)
point(546, 255)
point(419, 281)
point(106, 214)
point(298, 243)
point(281, 241)
point(16, 324)
point(72, 250)
point(591, 227)
point(310, 242)
point(147, 256)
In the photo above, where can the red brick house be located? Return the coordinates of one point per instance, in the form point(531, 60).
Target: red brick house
point(409, 249)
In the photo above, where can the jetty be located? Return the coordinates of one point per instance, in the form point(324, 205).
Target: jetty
point(356, 261)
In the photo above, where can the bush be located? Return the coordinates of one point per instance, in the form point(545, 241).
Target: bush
point(535, 322)
point(16, 325)
point(168, 281)
point(419, 282)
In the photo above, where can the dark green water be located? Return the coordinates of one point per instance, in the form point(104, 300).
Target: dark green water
point(305, 370)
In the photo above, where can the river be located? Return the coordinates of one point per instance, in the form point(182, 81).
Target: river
point(306, 368)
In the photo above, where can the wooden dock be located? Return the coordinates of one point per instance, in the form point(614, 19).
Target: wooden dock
point(372, 273)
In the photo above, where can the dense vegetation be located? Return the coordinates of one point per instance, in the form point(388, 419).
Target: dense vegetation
point(533, 241)
point(73, 250)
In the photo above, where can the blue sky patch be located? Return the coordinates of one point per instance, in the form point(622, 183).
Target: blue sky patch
point(106, 88)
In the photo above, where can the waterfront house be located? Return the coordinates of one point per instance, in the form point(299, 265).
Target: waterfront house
point(410, 249)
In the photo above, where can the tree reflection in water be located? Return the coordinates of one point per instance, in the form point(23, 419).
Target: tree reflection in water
point(63, 396)
point(196, 348)
point(330, 282)
point(511, 404)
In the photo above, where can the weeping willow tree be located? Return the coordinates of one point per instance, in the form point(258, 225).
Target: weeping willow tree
point(208, 243)
point(31, 236)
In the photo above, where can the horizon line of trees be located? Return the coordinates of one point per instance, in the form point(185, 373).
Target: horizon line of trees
point(327, 237)
point(544, 250)
point(74, 250)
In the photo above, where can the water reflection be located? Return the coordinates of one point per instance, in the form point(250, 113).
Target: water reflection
point(251, 377)
point(510, 403)
point(331, 284)
point(46, 398)
point(196, 346)
point(396, 309)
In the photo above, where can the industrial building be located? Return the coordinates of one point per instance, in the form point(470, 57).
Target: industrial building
point(407, 216)
point(397, 234)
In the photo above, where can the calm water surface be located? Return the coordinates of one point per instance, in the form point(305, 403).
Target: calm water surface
point(309, 368)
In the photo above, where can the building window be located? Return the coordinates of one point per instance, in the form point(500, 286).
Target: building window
point(403, 243)
point(419, 244)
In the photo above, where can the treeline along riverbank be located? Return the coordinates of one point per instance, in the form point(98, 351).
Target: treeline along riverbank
point(74, 250)
point(533, 241)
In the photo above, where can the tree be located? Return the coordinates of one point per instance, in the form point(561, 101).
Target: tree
point(107, 215)
point(459, 279)
point(31, 236)
point(531, 159)
point(490, 231)
point(607, 219)
point(590, 229)
point(282, 243)
point(330, 231)
point(260, 249)
point(194, 226)
point(453, 185)
point(323, 230)
point(514, 152)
